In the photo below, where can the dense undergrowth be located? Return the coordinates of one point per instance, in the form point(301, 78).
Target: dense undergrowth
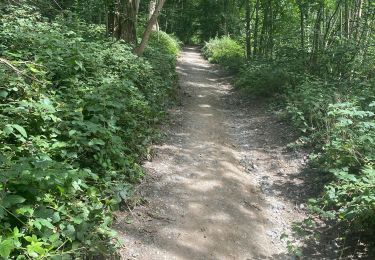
point(332, 102)
point(77, 112)
point(224, 51)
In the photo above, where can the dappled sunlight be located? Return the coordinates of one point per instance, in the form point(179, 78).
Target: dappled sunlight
point(203, 187)
point(206, 115)
point(182, 134)
point(204, 105)
point(206, 185)
point(197, 245)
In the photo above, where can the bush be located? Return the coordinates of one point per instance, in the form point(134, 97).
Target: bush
point(350, 199)
point(348, 152)
point(339, 118)
point(337, 114)
point(226, 52)
point(161, 52)
point(307, 104)
point(77, 112)
point(263, 79)
point(351, 136)
point(165, 43)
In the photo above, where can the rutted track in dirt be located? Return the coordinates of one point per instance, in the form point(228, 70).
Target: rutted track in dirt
point(217, 188)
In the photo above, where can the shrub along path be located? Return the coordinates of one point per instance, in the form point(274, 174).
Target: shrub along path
point(222, 185)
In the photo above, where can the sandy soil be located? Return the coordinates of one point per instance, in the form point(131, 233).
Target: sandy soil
point(220, 186)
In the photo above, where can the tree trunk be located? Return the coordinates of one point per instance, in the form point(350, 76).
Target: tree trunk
point(146, 35)
point(110, 22)
point(331, 23)
point(271, 19)
point(302, 24)
point(256, 28)
point(151, 10)
point(129, 21)
point(122, 20)
point(248, 29)
point(317, 33)
point(358, 18)
point(347, 20)
point(263, 38)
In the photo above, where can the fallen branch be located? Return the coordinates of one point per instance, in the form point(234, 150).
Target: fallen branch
point(15, 69)
point(6, 62)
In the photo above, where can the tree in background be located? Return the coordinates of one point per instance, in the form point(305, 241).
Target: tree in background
point(120, 16)
point(122, 20)
point(150, 26)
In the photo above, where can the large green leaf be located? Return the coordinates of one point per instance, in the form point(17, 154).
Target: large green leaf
point(11, 200)
point(3, 93)
point(6, 248)
point(19, 128)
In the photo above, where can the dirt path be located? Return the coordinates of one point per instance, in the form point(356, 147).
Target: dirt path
point(217, 188)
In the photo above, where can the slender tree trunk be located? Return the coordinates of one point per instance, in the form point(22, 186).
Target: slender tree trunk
point(146, 35)
point(317, 32)
point(263, 40)
point(302, 25)
point(330, 24)
point(110, 21)
point(341, 24)
point(151, 10)
point(223, 9)
point(256, 28)
point(358, 19)
point(248, 29)
point(347, 19)
point(117, 20)
point(270, 29)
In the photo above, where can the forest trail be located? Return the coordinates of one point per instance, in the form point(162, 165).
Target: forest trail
point(216, 189)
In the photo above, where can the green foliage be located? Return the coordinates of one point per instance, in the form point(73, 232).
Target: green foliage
point(263, 79)
point(76, 114)
point(196, 21)
point(333, 105)
point(338, 116)
point(161, 53)
point(307, 104)
point(224, 51)
point(347, 149)
point(165, 43)
point(351, 136)
point(350, 199)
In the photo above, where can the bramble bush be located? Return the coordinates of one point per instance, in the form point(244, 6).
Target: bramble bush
point(77, 112)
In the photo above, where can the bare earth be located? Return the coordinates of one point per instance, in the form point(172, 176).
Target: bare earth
point(219, 187)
